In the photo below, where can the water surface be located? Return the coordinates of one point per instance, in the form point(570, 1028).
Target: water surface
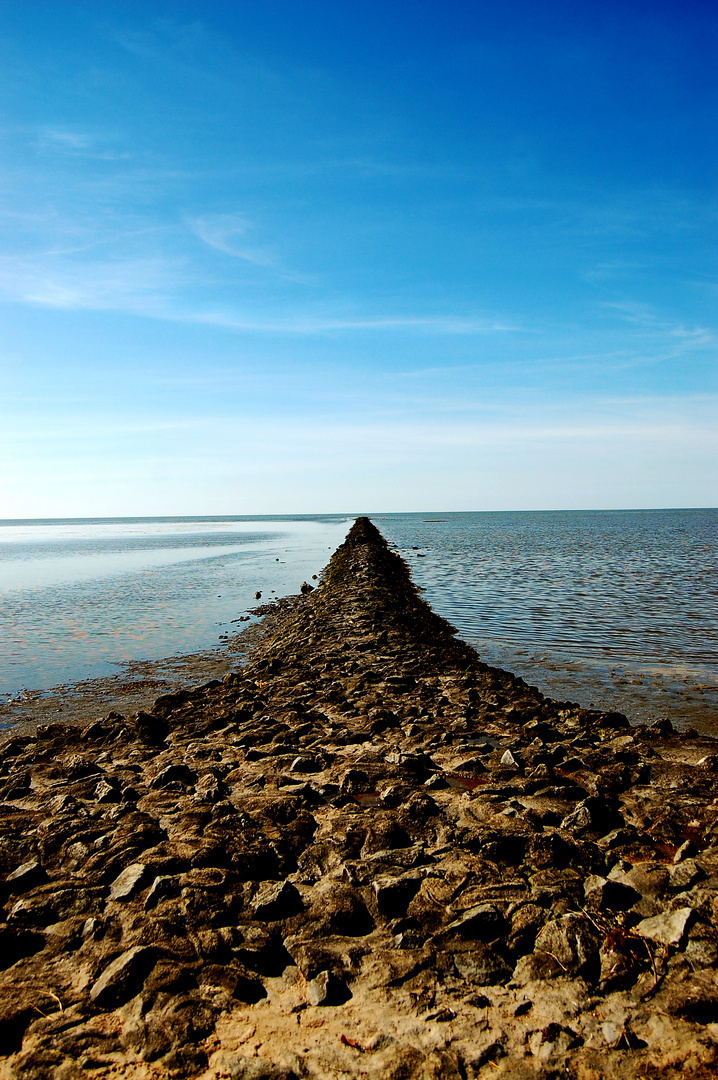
point(615, 609)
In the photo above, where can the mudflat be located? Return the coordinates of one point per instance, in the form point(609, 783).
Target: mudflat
point(364, 854)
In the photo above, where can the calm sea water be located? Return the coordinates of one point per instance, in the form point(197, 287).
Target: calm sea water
point(616, 609)
point(612, 609)
point(77, 597)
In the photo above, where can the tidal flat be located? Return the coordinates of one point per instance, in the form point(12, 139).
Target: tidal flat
point(365, 852)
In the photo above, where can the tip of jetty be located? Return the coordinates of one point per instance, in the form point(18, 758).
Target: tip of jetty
point(365, 854)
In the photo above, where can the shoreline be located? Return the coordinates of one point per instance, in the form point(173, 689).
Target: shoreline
point(138, 683)
point(365, 852)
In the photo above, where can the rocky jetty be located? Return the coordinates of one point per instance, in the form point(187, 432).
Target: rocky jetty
point(367, 854)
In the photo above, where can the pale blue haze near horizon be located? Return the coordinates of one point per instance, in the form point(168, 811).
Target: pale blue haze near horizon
point(308, 258)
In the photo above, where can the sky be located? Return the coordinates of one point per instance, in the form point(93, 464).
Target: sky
point(316, 257)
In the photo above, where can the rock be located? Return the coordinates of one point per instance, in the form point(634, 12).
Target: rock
point(123, 978)
point(508, 761)
point(27, 876)
point(129, 882)
point(151, 730)
point(277, 901)
point(181, 774)
point(244, 1068)
point(603, 894)
point(107, 793)
point(482, 966)
point(686, 851)
point(684, 876)
point(327, 990)
point(667, 928)
point(162, 889)
point(573, 942)
point(481, 923)
point(354, 781)
point(552, 1042)
point(578, 820)
point(394, 894)
point(305, 765)
point(305, 588)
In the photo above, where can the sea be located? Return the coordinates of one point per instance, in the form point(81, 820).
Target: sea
point(611, 609)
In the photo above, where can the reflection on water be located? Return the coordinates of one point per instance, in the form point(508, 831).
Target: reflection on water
point(76, 598)
point(612, 608)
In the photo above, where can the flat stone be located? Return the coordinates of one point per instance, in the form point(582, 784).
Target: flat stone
point(667, 928)
point(162, 888)
point(124, 977)
point(128, 882)
point(244, 1068)
point(27, 876)
point(482, 923)
point(685, 875)
point(482, 966)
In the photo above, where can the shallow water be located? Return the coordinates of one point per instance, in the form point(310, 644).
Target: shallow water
point(77, 598)
point(615, 609)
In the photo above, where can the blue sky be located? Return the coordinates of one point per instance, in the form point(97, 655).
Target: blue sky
point(284, 257)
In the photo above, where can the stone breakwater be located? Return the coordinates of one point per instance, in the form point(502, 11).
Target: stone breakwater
point(365, 854)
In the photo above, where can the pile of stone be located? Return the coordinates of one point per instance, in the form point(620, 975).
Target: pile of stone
point(365, 854)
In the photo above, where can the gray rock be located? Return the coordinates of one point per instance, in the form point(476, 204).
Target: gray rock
point(129, 882)
point(436, 782)
point(578, 820)
point(124, 977)
point(667, 928)
point(326, 990)
point(354, 781)
point(572, 941)
point(684, 876)
point(686, 851)
point(482, 966)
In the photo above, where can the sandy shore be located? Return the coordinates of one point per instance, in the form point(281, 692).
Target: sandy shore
point(365, 853)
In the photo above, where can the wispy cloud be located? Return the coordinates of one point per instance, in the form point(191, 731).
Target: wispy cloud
point(438, 324)
point(649, 320)
point(77, 143)
point(225, 232)
point(138, 285)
